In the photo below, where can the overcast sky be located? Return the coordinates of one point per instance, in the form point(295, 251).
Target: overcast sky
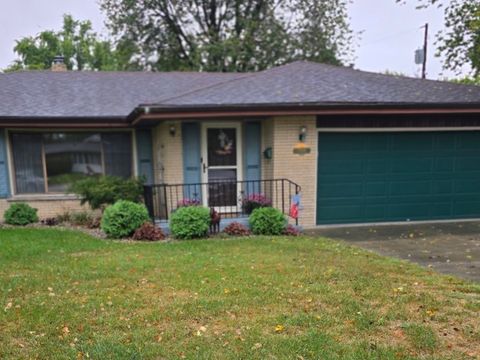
point(390, 32)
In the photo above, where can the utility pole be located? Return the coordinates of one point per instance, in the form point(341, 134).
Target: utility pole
point(425, 44)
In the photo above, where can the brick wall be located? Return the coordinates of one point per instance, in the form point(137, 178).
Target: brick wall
point(48, 207)
point(168, 153)
point(279, 133)
point(301, 169)
point(267, 142)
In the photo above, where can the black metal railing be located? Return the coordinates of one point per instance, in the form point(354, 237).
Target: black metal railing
point(229, 198)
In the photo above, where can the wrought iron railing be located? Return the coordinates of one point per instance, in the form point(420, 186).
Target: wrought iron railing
point(230, 198)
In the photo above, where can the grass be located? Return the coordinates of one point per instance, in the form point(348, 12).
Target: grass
point(65, 295)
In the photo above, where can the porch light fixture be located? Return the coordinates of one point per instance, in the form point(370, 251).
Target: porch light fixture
point(172, 130)
point(301, 148)
point(303, 134)
point(267, 153)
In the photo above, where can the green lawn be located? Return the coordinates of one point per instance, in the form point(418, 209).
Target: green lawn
point(65, 295)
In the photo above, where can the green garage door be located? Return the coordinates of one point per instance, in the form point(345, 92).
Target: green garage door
point(375, 177)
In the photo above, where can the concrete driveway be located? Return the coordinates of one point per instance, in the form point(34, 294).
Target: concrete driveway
point(450, 248)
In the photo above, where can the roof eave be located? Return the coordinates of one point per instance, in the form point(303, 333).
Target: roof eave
point(149, 112)
point(63, 121)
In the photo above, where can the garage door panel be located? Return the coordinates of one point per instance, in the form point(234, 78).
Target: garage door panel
point(407, 212)
point(468, 141)
point(442, 186)
point(467, 186)
point(398, 176)
point(466, 164)
point(409, 187)
point(440, 211)
point(375, 189)
point(375, 166)
point(443, 164)
point(408, 142)
point(444, 141)
point(341, 214)
point(412, 164)
point(350, 166)
point(340, 189)
point(467, 209)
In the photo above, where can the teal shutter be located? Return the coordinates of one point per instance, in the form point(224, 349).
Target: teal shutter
point(191, 153)
point(191, 160)
point(145, 155)
point(4, 178)
point(253, 143)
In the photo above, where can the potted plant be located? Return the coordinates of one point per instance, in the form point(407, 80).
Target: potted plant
point(255, 201)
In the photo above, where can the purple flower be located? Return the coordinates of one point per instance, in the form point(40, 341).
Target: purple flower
point(255, 201)
point(188, 202)
point(259, 199)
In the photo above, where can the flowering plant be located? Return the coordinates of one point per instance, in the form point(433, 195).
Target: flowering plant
point(255, 201)
point(188, 202)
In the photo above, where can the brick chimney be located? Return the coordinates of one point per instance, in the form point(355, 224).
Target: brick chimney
point(59, 64)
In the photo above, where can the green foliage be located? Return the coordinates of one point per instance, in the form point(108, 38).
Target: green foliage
point(230, 35)
point(459, 44)
point(468, 80)
point(101, 191)
point(123, 218)
point(149, 232)
point(190, 222)
point(20, 214)
point(82, 48)
point(267, 221)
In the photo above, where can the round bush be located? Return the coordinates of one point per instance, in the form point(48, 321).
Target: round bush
point(267, 221)
point(123, 218)
point(190, 222)
point(20, 214)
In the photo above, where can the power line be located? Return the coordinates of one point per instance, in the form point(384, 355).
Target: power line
point(393, 35)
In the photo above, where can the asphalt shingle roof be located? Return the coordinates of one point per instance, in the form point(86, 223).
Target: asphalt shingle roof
point(116, 94)
point(93, 94)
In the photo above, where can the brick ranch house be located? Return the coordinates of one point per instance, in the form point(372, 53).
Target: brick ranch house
point(358, 147)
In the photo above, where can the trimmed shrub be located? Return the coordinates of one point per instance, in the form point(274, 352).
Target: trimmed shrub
point(291, 230)
point(123, 218)
point(102, 191)
point(255, 201)
point(190, 222)
point(148, 231)
point(236, 229)
point(20, 214)
point(267, 221)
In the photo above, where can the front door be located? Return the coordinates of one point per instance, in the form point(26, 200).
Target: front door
point(221, 166)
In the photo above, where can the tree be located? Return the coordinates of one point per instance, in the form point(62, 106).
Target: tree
point(77, 42)
point(230, 35)
point(459, 43)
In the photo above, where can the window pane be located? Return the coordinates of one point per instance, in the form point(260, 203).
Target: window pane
point(28, 164)
point(71, 157)
point(222, 147)
point(117, 149)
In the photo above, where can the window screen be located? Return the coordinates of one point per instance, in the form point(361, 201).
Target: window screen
point(66, 157)
point(28, 164)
